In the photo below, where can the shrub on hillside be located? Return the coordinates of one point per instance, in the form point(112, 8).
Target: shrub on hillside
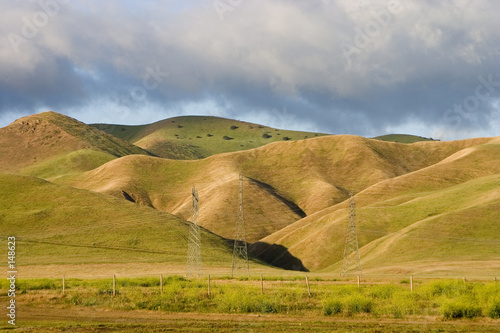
point(266, 136)
point(225, 137)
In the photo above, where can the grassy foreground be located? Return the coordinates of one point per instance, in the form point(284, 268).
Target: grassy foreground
point(447, 299)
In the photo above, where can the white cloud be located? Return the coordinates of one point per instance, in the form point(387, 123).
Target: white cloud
point(263, 55)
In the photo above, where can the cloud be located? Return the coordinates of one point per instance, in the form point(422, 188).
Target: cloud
point(361, 67)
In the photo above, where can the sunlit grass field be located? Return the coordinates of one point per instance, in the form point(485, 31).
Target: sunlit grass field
point(447, 299)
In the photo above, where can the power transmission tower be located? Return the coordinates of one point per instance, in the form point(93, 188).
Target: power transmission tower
point(194, 241)
point(240, 250)
point(351, 251)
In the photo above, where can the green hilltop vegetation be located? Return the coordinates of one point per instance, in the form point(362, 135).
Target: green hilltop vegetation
point(402, 138)
point(193, 137)
point(428, 207)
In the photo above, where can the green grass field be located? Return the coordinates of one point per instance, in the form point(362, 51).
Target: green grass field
point(391, 305)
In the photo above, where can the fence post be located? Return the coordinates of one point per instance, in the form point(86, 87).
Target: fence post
point(495, 280)
point(161, 284)
point(261, 285)
point(411, 283)
point(308, 289)
point(464, 279)
point(63, 285)
point(114, 285)
point(208, 285)
point(358, 282)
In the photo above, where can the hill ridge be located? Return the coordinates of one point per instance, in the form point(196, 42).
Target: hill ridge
point(423, 195)
point(46, 136)
point(385, 199)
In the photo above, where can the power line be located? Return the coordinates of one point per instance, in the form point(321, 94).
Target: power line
point(240, 250)
point(351, 251)
point(194, 243)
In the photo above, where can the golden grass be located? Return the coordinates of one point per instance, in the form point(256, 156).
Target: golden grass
point(33, 141)
point(61, 225)
point(425, 196)
point(446, 211)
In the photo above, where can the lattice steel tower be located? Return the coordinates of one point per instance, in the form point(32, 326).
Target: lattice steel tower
point(194, 242)
point(240, 250)
point(351, 251)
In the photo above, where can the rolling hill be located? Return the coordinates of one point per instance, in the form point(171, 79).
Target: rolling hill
point(194, 137)
point(40, 144)
point(63, 227)
point(428, 207)
point(440, 215)
point(284, 181)
point(166, 185)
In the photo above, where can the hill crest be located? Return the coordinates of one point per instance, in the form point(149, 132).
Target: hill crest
point(39, 138)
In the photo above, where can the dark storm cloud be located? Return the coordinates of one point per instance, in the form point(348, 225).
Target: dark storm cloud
point(361, 67)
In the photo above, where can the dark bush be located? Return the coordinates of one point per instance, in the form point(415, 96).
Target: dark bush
point(494, 310)
point(266, 136)
point(332, 307)
point(234, 127)
point(225, 137)
point(458, 309)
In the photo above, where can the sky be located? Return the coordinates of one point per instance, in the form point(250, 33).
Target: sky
point(369, 68)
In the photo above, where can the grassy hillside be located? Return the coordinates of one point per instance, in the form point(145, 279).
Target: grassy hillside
point(283, 181)
point(320, 172)
point(402, 138)
point(41, 141)
point(428, 206)
point(445, 213)
point(72, 163)
point(193, 137)
point(60, 225)
point(166, 185)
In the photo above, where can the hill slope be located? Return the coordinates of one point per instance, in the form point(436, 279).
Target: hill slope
point(36, 139)
point(166, 185)
point(194, 137)
point(421, 207)
point(60, 225)
point(451, 207)
point(284, 181)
